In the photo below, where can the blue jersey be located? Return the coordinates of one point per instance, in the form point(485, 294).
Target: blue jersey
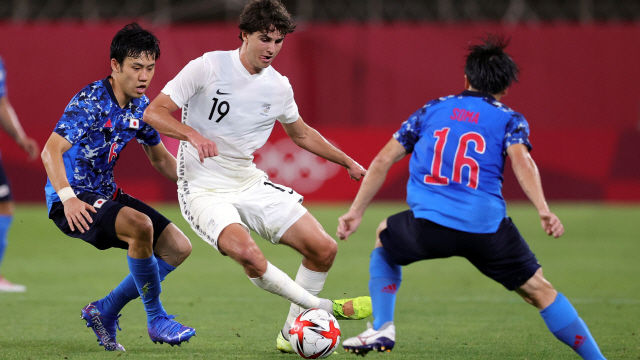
point(98, 129)
point(3, 79)
point(459, 146)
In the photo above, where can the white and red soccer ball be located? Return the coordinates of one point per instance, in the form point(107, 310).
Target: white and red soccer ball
point(314, 334)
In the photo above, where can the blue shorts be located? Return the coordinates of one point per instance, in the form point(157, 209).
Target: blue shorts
point(102, 232)
point(503, 256)
point(5, 186)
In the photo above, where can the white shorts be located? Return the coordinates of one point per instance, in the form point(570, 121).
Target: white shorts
point(268, 209)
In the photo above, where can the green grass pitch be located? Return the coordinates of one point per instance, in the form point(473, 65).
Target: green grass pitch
point(445, 309)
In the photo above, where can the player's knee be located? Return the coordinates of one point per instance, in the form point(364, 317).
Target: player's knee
point(381, 227)
point(327, 252)
point(140, 227)
point(537, 291)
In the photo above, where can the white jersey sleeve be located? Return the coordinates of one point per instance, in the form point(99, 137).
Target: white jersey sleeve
point(290, 109)
point(189, 81)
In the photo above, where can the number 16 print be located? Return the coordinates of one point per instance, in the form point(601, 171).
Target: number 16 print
point(461, 159)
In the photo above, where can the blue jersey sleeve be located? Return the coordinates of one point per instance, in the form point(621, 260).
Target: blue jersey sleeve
point(517, 132)
point(148, 136)
point(78, 116)
point(409, 132)
point(3, 76)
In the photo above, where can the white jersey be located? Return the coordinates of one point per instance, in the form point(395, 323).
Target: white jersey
point(225, 103)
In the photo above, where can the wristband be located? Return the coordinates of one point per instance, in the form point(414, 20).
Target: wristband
point(66, 193)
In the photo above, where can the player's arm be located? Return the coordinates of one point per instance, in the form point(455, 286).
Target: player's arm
point(378, 170)
point(529, 178)
point(158, 115)
point(74, 209)
point(162, 160)
point(309, 139)
point(11, 125)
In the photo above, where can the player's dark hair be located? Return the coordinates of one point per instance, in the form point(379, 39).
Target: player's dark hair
point(265, 16)
point(489, 69)
point(134, 41)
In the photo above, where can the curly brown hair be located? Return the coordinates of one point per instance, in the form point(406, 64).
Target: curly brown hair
point(265, 16)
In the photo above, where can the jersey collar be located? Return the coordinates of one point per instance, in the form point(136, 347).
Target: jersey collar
point(107, 85)
point(477, 94)
point(235, 55)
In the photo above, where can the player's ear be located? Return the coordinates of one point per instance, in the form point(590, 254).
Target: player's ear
point(115, 66)
point(504, 92)
point(245, 36)
point(467, 86)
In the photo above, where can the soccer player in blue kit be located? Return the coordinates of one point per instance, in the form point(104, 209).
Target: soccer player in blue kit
point(11, 125)
point(85, 202)
point(458, 146)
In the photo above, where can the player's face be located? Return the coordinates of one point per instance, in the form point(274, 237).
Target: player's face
point(261, 48)
point(134, 76)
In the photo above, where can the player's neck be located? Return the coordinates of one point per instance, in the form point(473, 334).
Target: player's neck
point(244, 59)
point(123, 99)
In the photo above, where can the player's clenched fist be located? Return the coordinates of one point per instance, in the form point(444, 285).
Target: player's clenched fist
point(206, 148)
point(356, 171)
point(348, 224)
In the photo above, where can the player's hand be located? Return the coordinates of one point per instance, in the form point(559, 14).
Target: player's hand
point(206, 148)
point(356, 171)
point(77, 214)
point(348, 224)
point(551, 224)
point(30, 146)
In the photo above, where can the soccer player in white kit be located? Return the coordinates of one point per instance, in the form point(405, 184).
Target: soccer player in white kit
point(230, 102)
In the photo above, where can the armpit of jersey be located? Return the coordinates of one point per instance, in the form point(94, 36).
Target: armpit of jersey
point(517, 132)
point(409, 132)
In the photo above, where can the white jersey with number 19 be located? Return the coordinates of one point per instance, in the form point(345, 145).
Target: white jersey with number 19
point(225, 103)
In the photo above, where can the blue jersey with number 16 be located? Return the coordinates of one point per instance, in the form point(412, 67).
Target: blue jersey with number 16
point(459, 146)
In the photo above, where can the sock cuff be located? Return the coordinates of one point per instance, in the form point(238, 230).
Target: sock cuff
point(164, 264)
point(381, 265)
point(310, 274)
point(143, 264)
point(559, 314)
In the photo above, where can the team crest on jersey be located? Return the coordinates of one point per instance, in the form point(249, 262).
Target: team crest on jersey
point(98, 204)
point(264, 110)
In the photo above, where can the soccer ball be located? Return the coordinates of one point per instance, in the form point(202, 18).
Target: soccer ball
point(314, 334)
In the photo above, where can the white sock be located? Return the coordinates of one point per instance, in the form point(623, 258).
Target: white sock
point(277, 282)
point(313, 282)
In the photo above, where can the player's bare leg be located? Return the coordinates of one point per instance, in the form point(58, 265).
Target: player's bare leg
point(172, 246)
point(235, 242)
point(560, 316)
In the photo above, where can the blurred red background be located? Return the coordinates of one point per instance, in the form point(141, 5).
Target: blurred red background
point(356, 83)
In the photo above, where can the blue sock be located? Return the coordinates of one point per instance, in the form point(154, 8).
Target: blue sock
point(145, 274)
point(384, 281)
point(5, 224)
point(127, 290)
point(563, 321)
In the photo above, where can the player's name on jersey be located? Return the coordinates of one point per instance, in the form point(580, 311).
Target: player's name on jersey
point(465, 115)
